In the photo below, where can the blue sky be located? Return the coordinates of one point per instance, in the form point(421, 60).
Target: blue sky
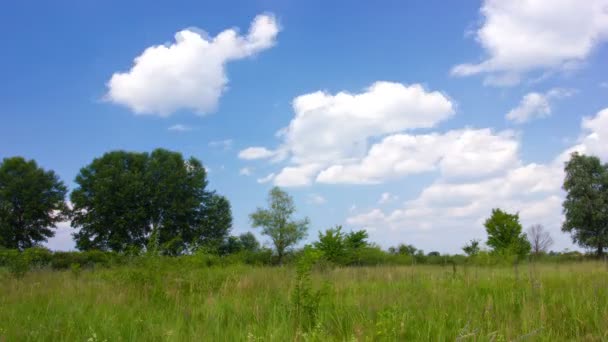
point(409, 119)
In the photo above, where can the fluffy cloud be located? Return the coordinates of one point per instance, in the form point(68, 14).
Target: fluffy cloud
point(266, 179)
point(252, 153)
point(536, 105)
point(458, 207)
point(456, 153)
point(189, 73)
point(527, 35)
point(330, 129)
point(594, 137)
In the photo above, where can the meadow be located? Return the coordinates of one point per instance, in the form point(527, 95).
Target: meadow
point(159, 299)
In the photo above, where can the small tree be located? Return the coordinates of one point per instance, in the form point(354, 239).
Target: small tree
point(586, 203)
point(539, 238)
point(356, 240)
point(504, 233)
point(32, 202)
point(331, 243)
point(249, 242)
point(277, 222)
point(472, 248)
point(403, 249)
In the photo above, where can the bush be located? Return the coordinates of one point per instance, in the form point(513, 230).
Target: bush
point(38, 256)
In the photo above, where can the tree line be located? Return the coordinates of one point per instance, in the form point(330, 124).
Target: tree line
point(158, 202)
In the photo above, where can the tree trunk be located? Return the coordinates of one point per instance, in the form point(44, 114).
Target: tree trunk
point(600, 250)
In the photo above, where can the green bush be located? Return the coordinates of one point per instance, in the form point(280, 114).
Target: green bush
point(38, 257)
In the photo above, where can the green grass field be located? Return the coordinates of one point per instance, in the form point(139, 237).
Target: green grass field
point(162, 301)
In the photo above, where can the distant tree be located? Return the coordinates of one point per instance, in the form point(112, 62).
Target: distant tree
point(126, 200)
point(332, 244)
point(403, 249)
point(539, 238)
point(231, 245)
point(32, 202)
point(277, 222)
point(406, 249)
point(215, 221)
point(435, 254)
point(504, 233)
point(249, 242)
point(472, 248)
point(586, 203)
point(356, 240)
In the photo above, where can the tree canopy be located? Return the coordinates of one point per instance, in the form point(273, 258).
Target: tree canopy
point(32, 202)
point(277, 222)
point(504, 233)
point(586, 203)
point(152, 200)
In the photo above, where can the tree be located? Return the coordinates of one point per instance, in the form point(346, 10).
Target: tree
point(504, 233)
point(158, 201)
point(472, 248)
point(356, 240)
point(403, 249)
point(586, 203)
point(215, 221)
point(332, 244)
point(277, 222)
point(32, 202)
point(539, 238)
point(230, 246)
point(249, 242)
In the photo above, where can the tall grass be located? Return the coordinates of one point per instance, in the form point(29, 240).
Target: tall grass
point(160, 301)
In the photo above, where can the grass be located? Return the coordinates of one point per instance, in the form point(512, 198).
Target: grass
point(161, 301)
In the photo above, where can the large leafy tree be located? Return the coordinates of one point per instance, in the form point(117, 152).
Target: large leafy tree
point(504, 233)
point(277, 222)
point(215, 221)
point(32, 202)
point(586, 203)
point(157, 201)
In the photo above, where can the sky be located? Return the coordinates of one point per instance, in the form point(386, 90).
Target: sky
point(409, 119)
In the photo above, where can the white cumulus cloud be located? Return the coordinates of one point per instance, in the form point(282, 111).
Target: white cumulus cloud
point(188, 73)
point(456, 208)
point(458, 153)
point(520, 36)
point(335, 128)
point(536, 105)
point(252, 153)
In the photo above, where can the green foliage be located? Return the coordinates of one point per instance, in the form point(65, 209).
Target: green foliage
point(277, 222)
point(403, 249)
point(472, 248)
point(174, 299)
point(18, 266)
point(340, 248)
point(32, 202)
point(128, 200)
point(586, 217)
point(504, 234)
point(232, 245)
point(249, 242)
point(75, 269)
point(305, 300)
point(332, 244)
